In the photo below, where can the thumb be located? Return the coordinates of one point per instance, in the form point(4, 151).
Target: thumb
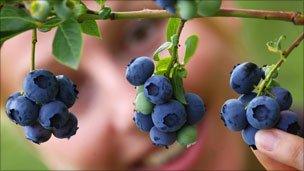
point(281, 146)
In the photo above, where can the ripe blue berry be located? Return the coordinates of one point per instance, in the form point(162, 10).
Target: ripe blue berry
point(244, 77)
point(282, 96)
point(67, 91)
point(21, 110)
point(168, 5)
point(246, 98)
point(40, 86)
point(53, 115)
point(263, 112)
point(169, 117)
point(139, 70)
point(143, 122)
point(289, 122)
point(233, 115)
point(158, 89)
point(37, 134)
point(69, 129)
point(195, 108)
point(162, 139)
point(248, 135)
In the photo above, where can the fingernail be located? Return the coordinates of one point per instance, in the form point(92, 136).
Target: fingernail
point(266, 139)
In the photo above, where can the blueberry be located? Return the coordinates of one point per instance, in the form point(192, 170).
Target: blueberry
point(169, 117)
point(40, 86)
point(187, 135)
point(246, 98)
point(158, 89)
point(233, 115)
point(143, 122)
point(208, 7)
point(282, 96)
point(53, 115)
point(289, 122)
point(142, 104)
point(195, 108)
point(21, 110)
point(37, 134)
point(187, 9)
point(248, 135)
point(162, 139)
point(263, 112)
point(168, 5)
point(69, 129)
point(67, 91)
point(245, 76)
point(139, 70)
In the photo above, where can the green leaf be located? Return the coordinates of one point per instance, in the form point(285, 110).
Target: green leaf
point(105, 13)
point(191, 45)
point(164, 46)
point(178, 87)
point(174, 39)
point(162, 65)
point(172, 27)
point(14, 21)
point(276, 45)
point(67, 44)
point(90, 27)
point(101, 2)
point(50, 23)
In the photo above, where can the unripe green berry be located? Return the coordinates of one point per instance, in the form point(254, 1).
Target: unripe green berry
point(139, 89)
point(187, 135)
point(187, 9)
point(209, 7)
point(40, 9)
point(143, 105)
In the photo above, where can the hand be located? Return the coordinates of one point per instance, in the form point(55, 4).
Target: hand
point(278, 150)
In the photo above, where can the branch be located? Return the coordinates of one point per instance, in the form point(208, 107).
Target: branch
point(34, 41)
point(295, 17)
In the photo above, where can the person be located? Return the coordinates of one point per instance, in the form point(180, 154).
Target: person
point(107, 138)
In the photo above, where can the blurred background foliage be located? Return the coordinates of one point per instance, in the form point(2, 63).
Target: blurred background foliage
point(16, 154)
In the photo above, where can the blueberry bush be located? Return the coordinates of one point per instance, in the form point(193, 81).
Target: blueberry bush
point(162, 106)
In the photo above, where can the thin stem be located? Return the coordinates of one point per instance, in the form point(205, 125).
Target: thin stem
point(34, 41)
point(295, 17)
point(174, 59)
point(284, 56)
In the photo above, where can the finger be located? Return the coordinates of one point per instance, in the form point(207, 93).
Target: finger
point(270, 164)
point(282, 147)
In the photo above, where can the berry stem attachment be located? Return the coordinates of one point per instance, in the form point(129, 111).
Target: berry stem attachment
point(34, 41)
point(284, 56)
point(174, 54)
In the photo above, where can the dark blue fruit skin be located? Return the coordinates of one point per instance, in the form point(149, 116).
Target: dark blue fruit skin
point(234, 115)
point(168, 5)
point(244, 77)
point(139, 70)
point(195, 108)
point(67, 91)
point(9, 100)
point(40, 86)
point(158, 89)
point(53, 115)
point(289, 122)
point(282, 96)
point(248, 135)
point(143, 122)
point(162, 139)
point(246, 98)
point(69, 129)
point(37, 134)
point(263, 112)
point(21, 110)
point(169, 117)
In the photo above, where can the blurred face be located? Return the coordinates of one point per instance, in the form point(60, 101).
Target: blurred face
point(107, 137)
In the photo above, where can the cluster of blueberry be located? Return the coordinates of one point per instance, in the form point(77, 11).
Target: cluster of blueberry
point(250, 112)
point(188, 9)
point(156, 110)
point(42, 109)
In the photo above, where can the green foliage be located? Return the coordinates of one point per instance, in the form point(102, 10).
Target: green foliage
point(14, 21)
point(172, 27)
point(164, 46)
point(187, 9)
point(62, 10)
point(191, 45)
point(101, 3)
point(90, 27)
point(177, 83)
point(105, 13)
point(209, 7)
point(276, 45)
point(50, 23)
point(67, 44)
point(162, 65)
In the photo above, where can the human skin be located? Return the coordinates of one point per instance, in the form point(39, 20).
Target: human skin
point(107, 137)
